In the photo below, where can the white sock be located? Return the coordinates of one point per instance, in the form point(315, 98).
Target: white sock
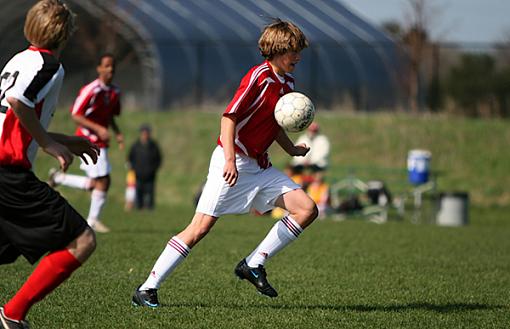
point(173, 254)
point(283, 232)
point(97, 200)
point(75, 181)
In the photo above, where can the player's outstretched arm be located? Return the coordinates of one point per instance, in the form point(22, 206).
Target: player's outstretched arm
point(79, 146)
point(30, 122)
point(286, 143)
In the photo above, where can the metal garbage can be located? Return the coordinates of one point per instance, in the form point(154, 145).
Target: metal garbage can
point(453, 209)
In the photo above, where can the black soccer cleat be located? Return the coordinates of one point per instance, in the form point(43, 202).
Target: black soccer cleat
point(257, 276)
point(7, 323)
point(147, 298)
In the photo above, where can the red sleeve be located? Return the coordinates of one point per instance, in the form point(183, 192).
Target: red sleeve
point(245, 95)
point(81, 102)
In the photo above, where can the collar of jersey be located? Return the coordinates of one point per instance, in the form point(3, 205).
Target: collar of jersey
point(103, 85)
point(42, 50)
point(281, 78)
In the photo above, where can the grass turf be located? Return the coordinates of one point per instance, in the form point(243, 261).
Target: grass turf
point(350, 274)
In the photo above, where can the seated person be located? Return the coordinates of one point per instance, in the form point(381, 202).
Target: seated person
point(316, 159)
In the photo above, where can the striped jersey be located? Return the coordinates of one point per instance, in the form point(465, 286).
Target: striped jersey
point(98, 103)
point(33, 77)
point(253, 107)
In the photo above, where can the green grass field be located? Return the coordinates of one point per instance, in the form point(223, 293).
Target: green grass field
point(349, 274)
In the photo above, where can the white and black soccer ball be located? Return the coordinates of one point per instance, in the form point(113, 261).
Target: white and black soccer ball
point(294, 112)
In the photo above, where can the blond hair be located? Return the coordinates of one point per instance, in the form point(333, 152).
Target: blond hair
point(49, 23)
point(280, 37)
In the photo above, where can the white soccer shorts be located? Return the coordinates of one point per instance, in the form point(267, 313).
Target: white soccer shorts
point(101, 168)
point(255, 188)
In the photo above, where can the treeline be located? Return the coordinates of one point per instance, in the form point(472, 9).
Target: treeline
point(440, 77)
point(467, 79)
point(476, 86)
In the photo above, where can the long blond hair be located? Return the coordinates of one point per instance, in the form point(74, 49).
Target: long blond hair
point(49, 23)
point(280, 37)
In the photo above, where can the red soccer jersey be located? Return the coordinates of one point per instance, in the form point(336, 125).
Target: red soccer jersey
point(253, 107)
point(33, 77)
point(98, 103)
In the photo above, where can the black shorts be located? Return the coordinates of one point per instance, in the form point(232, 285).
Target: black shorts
point(34, 218)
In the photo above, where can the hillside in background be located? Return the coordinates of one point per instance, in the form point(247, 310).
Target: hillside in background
point(467, 154)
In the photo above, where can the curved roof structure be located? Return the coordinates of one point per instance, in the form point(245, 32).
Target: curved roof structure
point(196, 51)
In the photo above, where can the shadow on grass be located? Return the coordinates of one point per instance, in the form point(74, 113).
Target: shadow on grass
point(440, 308)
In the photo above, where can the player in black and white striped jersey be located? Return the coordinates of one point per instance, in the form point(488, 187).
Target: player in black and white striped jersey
point(34, 219)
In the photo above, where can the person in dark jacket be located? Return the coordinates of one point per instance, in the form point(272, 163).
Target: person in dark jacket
point(145, 160)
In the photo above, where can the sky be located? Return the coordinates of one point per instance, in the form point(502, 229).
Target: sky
point(462, 21)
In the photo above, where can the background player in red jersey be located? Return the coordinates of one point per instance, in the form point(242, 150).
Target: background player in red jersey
point(94, 111)
point(240, 173)
point(34, 219)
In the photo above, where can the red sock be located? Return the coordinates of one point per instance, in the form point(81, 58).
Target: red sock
point(52, 270)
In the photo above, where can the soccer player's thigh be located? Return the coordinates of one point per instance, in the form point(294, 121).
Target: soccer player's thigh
point(8, 253)
point(299, 205)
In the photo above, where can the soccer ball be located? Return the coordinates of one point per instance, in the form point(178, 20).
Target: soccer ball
point(294, 112)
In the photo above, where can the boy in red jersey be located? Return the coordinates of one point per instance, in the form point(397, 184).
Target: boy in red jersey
point(34, 219)
point(94, 111)
point(240, 174)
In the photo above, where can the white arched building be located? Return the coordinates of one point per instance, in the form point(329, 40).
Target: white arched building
point(192, 52)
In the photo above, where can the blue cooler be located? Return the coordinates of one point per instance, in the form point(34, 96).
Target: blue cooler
point(418, 162)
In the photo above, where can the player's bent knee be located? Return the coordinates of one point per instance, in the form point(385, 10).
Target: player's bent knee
point(83, 246)
point(313, 212)
point(86, 244)
point(309, 212)
point(309, 208)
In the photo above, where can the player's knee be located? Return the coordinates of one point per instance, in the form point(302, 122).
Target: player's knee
point(101, 183)
point(313, 212)
point(84, 245)
point(88, 242)
point(309, 212)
